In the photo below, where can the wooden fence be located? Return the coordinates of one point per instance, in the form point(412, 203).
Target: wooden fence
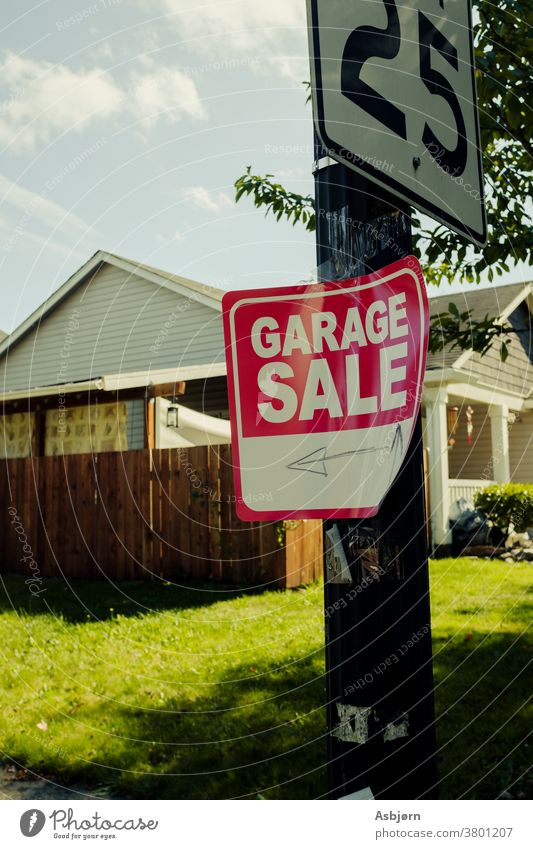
point(139, 514)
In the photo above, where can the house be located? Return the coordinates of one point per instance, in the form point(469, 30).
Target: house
point(125, 356)
point(112, 393)
point(96, 367)
point(478, 410)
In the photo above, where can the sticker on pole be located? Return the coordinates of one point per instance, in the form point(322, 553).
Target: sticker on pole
point(325, 382)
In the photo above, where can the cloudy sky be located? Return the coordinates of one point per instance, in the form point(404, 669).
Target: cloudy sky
point(123, 126)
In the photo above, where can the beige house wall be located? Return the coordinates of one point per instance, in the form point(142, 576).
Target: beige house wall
point(474, 462)
point(521, 448)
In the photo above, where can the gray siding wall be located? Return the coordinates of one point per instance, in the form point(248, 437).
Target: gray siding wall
point(114, 322)
point(516, 374)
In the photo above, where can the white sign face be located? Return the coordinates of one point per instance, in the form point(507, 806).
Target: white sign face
point(394, 98)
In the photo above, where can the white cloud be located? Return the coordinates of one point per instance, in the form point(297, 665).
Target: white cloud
point(44, 242)
point(50, 99)
point(169, 93)
point(294, 68)
point(202, 198)
point(236, 23)
point(36, 220)
point(35, 207)
point(41, 100)
point(271, 34)
point(290, 173)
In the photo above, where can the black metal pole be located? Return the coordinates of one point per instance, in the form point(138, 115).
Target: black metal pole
point(379, 677)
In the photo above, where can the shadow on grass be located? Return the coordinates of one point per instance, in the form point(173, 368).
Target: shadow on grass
point(72, 600)
point(264, 732)
point(483, 685)
point(257, 735)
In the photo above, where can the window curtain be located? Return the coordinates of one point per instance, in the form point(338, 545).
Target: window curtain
point(17, 433)
point(87, 429)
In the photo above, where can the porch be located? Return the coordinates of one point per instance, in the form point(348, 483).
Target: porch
point(473, 437)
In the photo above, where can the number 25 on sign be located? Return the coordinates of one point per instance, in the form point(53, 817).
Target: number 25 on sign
point(394, 98)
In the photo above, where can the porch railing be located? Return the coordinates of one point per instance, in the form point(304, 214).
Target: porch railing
point(465, 488)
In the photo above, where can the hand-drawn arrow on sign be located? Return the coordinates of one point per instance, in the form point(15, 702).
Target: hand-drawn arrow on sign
point(315, 462)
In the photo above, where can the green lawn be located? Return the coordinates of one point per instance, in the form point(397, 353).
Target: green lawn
point(156, 691)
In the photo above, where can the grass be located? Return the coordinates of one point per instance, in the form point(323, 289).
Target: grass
point(157, 691)
point(482, 658)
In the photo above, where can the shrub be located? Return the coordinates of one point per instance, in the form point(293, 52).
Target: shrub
point(507, 504)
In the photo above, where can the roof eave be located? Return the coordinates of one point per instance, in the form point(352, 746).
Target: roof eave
point(466, 385)
point(120, 382)
point(179, 285)
point(53, 301)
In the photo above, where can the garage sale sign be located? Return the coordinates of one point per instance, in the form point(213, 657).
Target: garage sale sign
point(325, 382)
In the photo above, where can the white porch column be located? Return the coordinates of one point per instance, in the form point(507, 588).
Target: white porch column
point(499, 432)
point(437, 440)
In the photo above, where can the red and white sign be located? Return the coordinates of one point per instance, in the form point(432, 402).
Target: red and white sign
point(325, 382)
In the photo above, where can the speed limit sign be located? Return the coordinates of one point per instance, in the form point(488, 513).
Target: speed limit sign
point(395, 99)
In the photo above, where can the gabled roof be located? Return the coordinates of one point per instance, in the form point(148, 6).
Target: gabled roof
point(148, 271)
point(494, 301)
point(207, 295)
point(498, 301)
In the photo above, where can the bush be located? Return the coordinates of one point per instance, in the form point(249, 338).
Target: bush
point(507, 504)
